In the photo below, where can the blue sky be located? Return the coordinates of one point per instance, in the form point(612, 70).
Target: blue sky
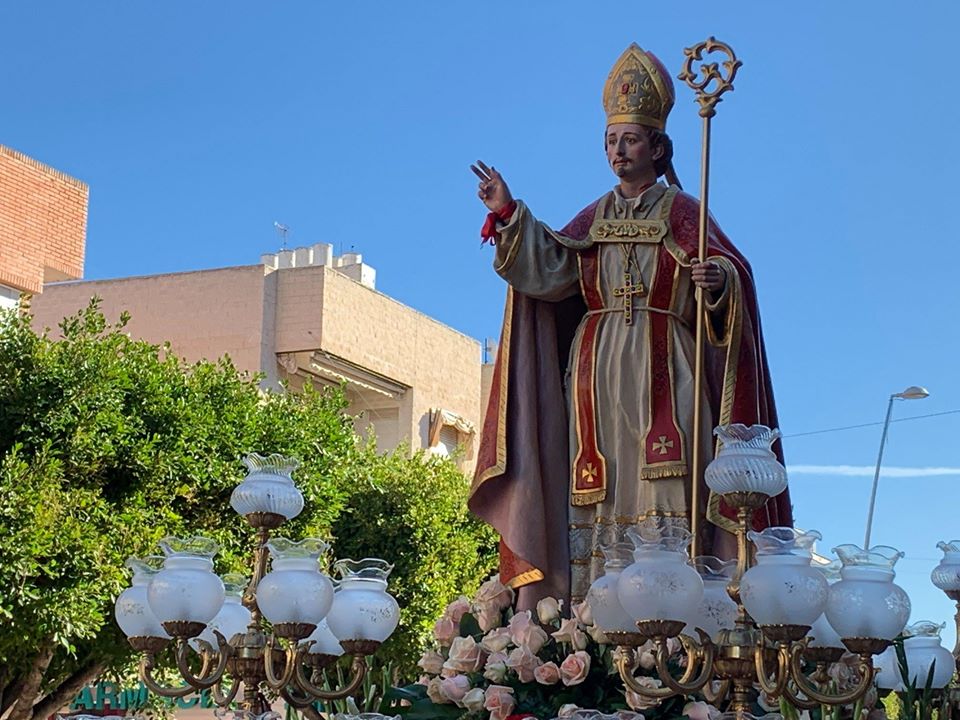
point(834, 170)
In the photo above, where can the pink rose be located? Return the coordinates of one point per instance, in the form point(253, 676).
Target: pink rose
point(646, 657)
point(547, 674)
point(431, 662)
point(434, 693)
point(636, 701)
point(525, 632)
point(574, 668)
point(454, 688)
point(473, 700)
point(496, 640)
point(444, 631)
point(598, 635)
point(570, 632)
point(548, 609)
point(496, 668)
point(499, 700)
point(582, 613)
point(457, 609)
point(523, 662)
point(700, 711)
point(495, 594)
point(464, 655)
point(488, 617)
point(566, 710)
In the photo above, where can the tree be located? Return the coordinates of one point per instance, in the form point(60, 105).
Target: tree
point(107, 444)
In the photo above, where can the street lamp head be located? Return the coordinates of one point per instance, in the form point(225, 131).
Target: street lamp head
point(914, 392)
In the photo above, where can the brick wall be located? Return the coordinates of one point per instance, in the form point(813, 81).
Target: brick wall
point(43, 220)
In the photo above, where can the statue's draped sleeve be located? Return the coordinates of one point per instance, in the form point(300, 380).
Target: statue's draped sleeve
point(521, 482)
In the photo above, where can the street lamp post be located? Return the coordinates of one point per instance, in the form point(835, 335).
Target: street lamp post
point(914, 392)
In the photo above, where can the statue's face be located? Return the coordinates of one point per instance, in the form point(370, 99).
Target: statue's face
point(629, 152)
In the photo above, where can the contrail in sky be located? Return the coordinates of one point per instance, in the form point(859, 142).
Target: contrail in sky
point(868, 470)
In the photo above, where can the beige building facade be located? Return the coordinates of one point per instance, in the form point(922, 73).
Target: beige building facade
point(305, 316)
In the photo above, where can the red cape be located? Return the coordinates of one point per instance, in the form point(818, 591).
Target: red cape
point(522, 478)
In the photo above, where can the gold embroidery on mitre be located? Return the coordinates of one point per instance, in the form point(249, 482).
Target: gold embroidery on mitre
point(637, 90)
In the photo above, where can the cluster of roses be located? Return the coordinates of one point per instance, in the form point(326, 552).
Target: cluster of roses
point(483, 670)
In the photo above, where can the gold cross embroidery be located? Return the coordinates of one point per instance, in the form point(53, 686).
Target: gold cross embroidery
point(627, 292)
point(589, 473)
point(662, 445)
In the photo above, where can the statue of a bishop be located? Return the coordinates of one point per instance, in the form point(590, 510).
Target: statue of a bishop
point(590, 419)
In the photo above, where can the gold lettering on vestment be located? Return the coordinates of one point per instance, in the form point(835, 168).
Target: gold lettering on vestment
point(628, 231)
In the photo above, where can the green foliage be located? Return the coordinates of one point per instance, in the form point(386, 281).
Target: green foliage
point(413, 512)
point(108, 443)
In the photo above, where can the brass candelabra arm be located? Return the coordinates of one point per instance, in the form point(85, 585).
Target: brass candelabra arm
point(291, 658)
point(625, 660)
point(358, 670)
point(774, 686)
point(694, 655)
point(705, 657)
point(715, 697)
point(814, 692)
point(208, 677)
point(221, 698)
point(146, 675)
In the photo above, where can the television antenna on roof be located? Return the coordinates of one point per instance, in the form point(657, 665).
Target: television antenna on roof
point(282, 231)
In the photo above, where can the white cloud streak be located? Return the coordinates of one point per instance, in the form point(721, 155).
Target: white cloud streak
point(868, 470)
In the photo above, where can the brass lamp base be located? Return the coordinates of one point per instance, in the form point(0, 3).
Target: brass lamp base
point(265, 520)
point(661, 628)
point(148, 644)
point(865, 646)
point(626, 639)
point(184, 629)
point(293, 631)
point(360, 647)
point(785, 633)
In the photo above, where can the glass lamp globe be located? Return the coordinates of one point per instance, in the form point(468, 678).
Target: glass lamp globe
point(362, 608)
point(295, 591)
point(660, 585)
point(782, 588)
point(866, 603)
point(186, 590)
point(923, 650)
point(608, 613)
point(233, 617)
point(746, 462)
point(324, 641)
point(268, 487)
point(132, 610)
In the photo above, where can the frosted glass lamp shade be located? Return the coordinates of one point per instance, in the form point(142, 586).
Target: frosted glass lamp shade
point(608, 613)
point(784, 590)
point(866, 603)
point(132, 609)
point(363, 610)
point(186, 590)
point(659, 585)
point(268, 487)
point(745, 462)
point(295, 591)
point(946, 575)
point(823, 635)
point(324, 641)
point(232, 619)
